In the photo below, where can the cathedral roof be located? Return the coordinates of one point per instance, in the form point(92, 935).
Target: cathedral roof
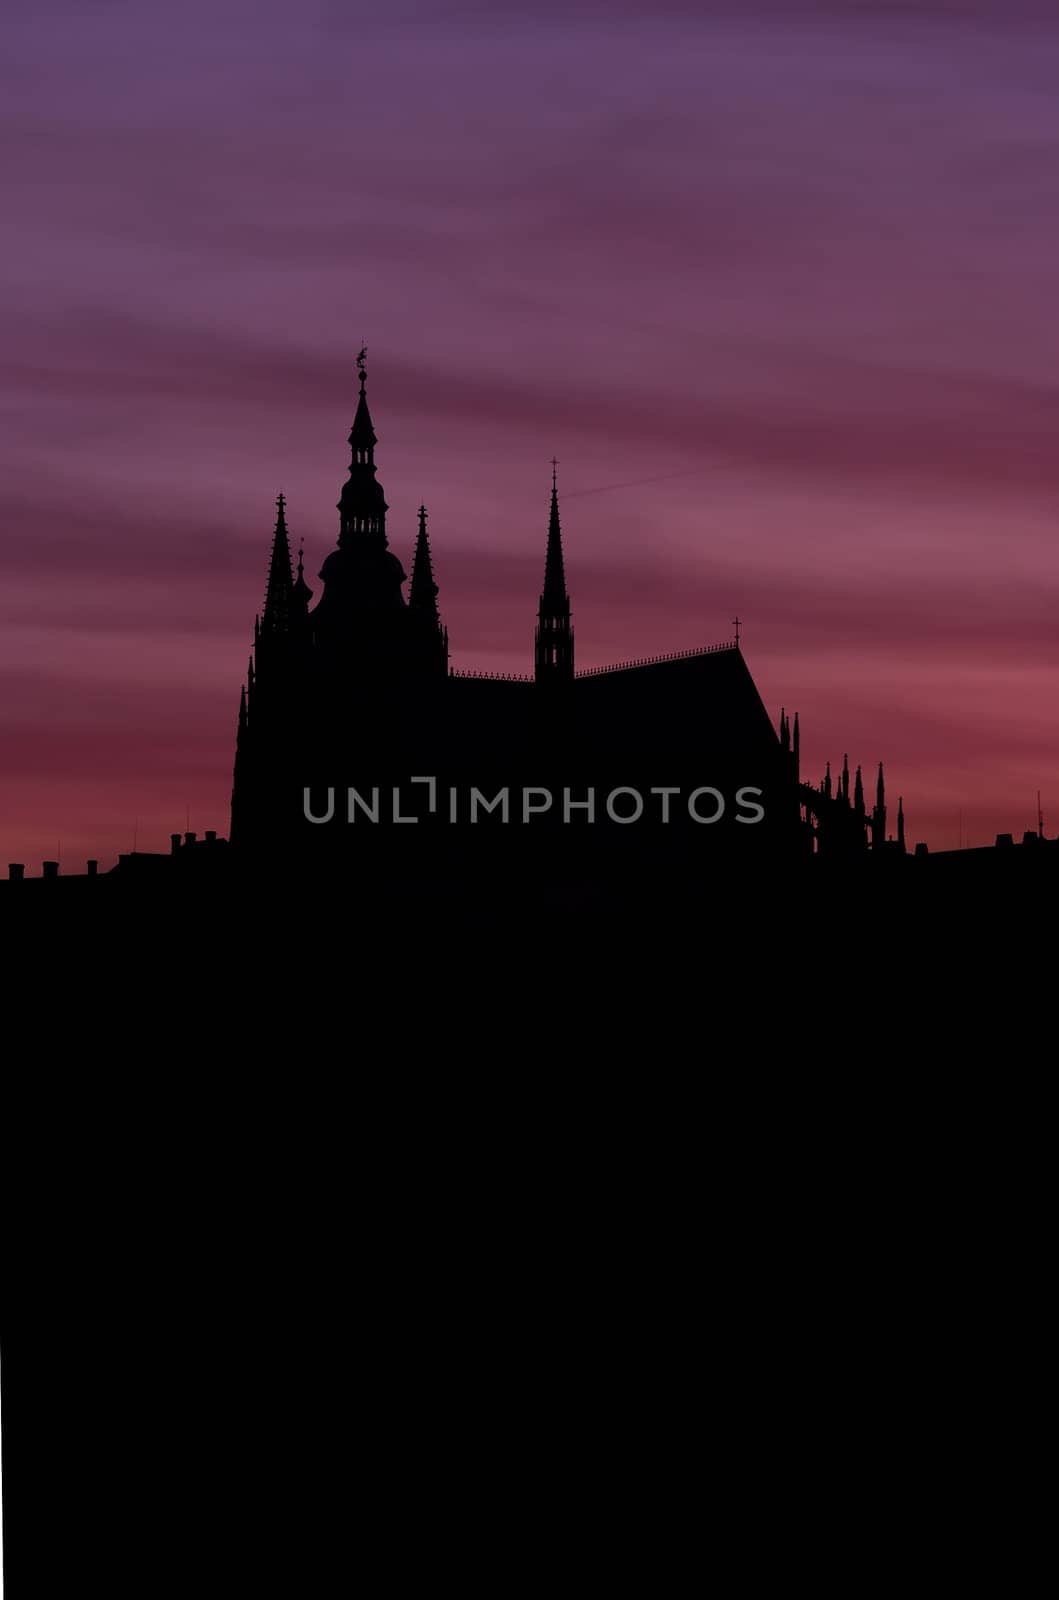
point(706, 700)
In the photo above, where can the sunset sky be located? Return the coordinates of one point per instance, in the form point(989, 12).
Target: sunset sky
point(777, 283)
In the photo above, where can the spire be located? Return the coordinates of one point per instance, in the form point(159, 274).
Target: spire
point(423, 594)
point(423, 605)
point(796, 748)
point(554, 596)
point(242, 708)
point(900, 823)
point(827, 781)
point(858, 794)
point(554, 644)
point(362, 434)
point(878, 821)
point(280, 581)
point(844, 781)
point(785, 731)
point(362, 507)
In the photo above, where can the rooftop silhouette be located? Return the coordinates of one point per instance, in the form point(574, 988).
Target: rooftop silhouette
point(354, 697)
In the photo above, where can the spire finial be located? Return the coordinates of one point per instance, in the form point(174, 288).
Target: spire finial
point(737, 624)
point(362, 373)
point(555, 463)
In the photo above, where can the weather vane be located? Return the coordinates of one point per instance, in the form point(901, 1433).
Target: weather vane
point(361, 359)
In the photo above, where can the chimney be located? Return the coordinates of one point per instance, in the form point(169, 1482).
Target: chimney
point(922, 850)
point(51, 869)
point(174, 843)
point(93, 868)
point(16, 871)
point(211, 836)
point(189, 838)
point(1003, 840)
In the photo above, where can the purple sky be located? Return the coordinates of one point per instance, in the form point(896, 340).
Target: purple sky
point(799, 263)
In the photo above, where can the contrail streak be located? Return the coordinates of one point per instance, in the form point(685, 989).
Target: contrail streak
point(635, 483)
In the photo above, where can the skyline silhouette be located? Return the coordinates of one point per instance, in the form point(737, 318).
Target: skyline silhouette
point(781, 305)
point(420, 575)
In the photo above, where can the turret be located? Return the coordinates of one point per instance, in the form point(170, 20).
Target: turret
point(301, 594)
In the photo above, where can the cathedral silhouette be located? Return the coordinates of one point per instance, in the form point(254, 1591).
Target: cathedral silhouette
point(352, 723)
point(360, 752)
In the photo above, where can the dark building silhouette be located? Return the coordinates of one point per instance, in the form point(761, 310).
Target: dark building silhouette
point(356, 693)
point(359, 746)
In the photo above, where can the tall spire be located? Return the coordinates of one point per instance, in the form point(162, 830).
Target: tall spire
point(554, 596)
point(423, 594)
point(858, 794)
point(844, 780)
point(554, 642)
point(900, 824)
point(878, 821)
point(280, 579)
point(423, 605)
point(796, 750)
point(362, 508)
point(362, 435)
